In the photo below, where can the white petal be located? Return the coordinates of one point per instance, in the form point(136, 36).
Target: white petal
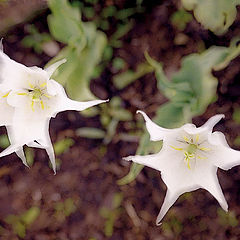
point(170, 199)
point(52, 68)
point(21, 155)
point(50, 151)
point(222, 155)
point(19, 152)
point(153, 160)
point(206, 128)
point(1, 45)
point(6, 112)
point(17, 76)
point(207, 179)
point(213, 121)
point(64, 103)
point(156, 132)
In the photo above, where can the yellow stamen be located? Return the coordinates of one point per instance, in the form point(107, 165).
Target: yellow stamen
point(43, 84)
point(201, 157)
point(204, 149)
point(186, 139)
point(30, 85)
point(22, 94)
point(42, 105)
point(6, 95)
point(197, 138)
point(46, 95)
point(32, 105)
point(178, 149)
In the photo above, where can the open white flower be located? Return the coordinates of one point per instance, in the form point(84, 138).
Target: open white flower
point(189, 159)
point(30, 98)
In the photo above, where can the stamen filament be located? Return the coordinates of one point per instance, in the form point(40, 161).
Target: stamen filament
point(42, 105)
point(4, 96)
point(178, 149)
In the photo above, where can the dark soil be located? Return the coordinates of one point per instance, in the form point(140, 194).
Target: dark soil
point(88, 176)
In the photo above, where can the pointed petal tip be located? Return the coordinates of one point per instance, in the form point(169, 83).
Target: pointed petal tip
point(26, 165)
point(225, 207)
point(158, 223)
point(145, 116)
point(1, 44)
point(129, 158)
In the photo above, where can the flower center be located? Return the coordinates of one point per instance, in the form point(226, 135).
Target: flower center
point(192, 149)
point(36, 95)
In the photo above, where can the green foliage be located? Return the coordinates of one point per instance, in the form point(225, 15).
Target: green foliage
point(227, 219)
point(216, 15)
point(110, 115)
point(172, 227)
point(20, 223)
point(118, 63)
point(111, 214)
point(237, 141)
point(35, 39)
point(94, 133)
point(236, 115)
point(4, 142)
point(181, 18)
point(29, 154)
point(63, 146)
point(124, 79)
point(189, 91)
point(64, 209)
point(85, 46)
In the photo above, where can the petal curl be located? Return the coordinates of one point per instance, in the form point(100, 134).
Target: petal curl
point(52, 68)
point(156, 132)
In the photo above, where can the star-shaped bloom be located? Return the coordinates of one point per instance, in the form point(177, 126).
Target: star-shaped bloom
point(28, 100)
point(189, 159)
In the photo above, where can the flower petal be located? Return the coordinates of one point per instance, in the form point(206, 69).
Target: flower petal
point(52, 68)
point(64, 103)
point(153, 160)
point(156, 133)
point(208, 180)
point(19, 152)
point(1, 45)
point(207, 127)
point(222, 155)
point(211, 122)
point(15, 75)
point(170, 199)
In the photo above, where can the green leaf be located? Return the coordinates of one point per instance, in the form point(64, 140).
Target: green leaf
point(76, 73)
point(181, 18)
point(118, 63)
point(94, 133)
point(236, 115)
point(216, 15)
point(78, 84)
point(65, 22)
point(121, 114)
point(63, 145)
point(122, 80)
point(30, 215)
point(4, 142)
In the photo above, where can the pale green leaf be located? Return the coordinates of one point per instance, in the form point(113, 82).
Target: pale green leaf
point(94, 133)
point(215, 15)
point(124, 79)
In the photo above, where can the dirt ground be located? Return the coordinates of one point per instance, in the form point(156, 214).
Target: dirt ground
point(89, 170)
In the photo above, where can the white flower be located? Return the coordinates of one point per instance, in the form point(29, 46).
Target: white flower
point(28, 100)
point(189, 159)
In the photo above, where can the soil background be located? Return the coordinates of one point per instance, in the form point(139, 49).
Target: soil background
point(88, 175)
